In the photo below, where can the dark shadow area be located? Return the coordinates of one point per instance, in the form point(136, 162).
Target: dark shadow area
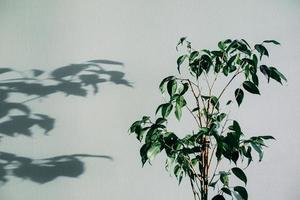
point(17, 118)
point(42, 170)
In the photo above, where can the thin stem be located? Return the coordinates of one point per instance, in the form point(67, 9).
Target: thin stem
point(206, 79)
point(197, 102)
point(214, 173)
point(193, 189)
point(226, 86)
point(196, 195)
point(193, 116)
point(214, 81)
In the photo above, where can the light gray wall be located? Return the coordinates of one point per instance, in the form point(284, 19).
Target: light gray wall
point(142, 34)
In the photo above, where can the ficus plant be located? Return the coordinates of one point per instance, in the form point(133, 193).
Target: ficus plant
point(217, 138)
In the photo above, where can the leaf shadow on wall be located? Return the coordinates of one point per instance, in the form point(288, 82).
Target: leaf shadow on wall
point(17, 118)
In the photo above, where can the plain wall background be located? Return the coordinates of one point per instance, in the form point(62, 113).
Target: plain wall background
point(143, 34)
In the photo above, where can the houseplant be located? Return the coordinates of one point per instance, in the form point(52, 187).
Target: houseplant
point(217, 138)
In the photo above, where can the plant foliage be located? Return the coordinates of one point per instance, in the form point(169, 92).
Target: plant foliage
point(217, 137)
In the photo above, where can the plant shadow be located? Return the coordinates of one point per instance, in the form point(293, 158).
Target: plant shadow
point(17, 118)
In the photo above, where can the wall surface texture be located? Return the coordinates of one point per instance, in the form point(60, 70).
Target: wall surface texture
point(63, 140)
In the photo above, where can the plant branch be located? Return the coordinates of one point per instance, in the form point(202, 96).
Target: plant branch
point(197, 102)
point(199, 125)
point(214, 173)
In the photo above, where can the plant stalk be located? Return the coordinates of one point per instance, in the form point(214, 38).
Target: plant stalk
point(205, 161)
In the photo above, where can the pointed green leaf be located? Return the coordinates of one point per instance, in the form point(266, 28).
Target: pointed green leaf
point(229, 102)
point(255, 79)
point(224, 178)
point(163, 83)
point(267, 137)
point(226, 190)
point(239, 95)
point(193, 55)
point(181, 40)
point(172, 87)
point(180, 60)
point(258, 149)
point(261, 50)
point(178, 111)
point(159, 107)
point(237, 196)
point(143, 153)
point(153, 151)
point(242, 192)
point(184, 89)
point(271, 41)
point(240, 174)
point(250, 87)
point(166, 109)
point(274, 74)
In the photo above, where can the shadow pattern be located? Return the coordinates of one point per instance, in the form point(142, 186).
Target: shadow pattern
point(42, 170)
point(17, 118)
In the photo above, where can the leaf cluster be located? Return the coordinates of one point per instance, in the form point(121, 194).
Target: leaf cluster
point(217, 137)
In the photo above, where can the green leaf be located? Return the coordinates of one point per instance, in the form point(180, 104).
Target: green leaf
point(246, 43)
point(153, 151)
point(242, 192)
point(166, 110)
point(249, 61)
point(180, 177)
point(267, 137)
point(215, 102)
point(265, 70)
point(220, 117)
point(225, 70)
point(181, 101)
point(281, 75)
point(240, 174)
point(159, 107)
point(169, 163)
point(172, 87)
point(178, 111)
point(184, 89)
point(258, 149)
point(181, 40)
point(221, 45)
point(180, 60)
point(261, 50)
point(228, 102)
point(224, 177)
point(235, 127)
point(255, 60)
point(248, 155)
point(145, 119)
point(218, 197)
point(239, 95)
point(276, 75)
point(271, 41)
point(193, 55)
point(160, 120)
point(134, 126)
point(231, 60)
point(163, 83)
point(213, 184)
point(237, 196)
point(226, 190)
point(143, 153)
point(250, 87)
point(255, 79)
